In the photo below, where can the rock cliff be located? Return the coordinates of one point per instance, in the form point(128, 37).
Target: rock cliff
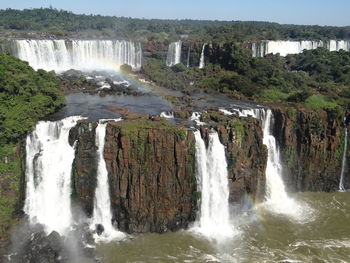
point(311, 144)
point(151, 167)
point(152, 170)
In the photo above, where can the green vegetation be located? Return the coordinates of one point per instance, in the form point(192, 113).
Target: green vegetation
point(48, 21)
point(316, 78)
point(10, 171)
point(25, 97)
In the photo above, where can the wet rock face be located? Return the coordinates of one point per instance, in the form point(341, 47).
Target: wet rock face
point(245, 153)
point(84, 166)
point(311, 146)
point(151, 169)
point(40, 248)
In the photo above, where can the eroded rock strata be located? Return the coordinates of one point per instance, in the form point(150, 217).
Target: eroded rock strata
point(151, 166)
point(311, 144)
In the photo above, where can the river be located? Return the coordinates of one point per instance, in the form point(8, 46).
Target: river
point(322, 235)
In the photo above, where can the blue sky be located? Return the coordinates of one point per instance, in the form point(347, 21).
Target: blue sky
point(321, 12)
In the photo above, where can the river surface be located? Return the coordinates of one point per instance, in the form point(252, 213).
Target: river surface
point(321, 234)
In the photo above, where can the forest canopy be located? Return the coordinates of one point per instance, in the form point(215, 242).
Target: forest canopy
point(64, 23)
point(25, 97)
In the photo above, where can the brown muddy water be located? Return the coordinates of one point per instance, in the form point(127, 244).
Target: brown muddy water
point(321, 233)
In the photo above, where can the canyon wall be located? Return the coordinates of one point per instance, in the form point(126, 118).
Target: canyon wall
point(311, 143)
point(152, 173)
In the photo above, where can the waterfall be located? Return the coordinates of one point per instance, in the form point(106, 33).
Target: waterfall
point(188, 56)
point(85, 55)
point(277, 198)
point(201, 61)
point(342, 186)
point(102, 213)
point(174, 54)
point(275, 190)
point(167, 115)
point(286, 47)
point(211, 172)
point(336, 45)
point(49, 158)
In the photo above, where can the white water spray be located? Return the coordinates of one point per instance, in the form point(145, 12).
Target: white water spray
point(48, 175)
point(202, 60)
point(214, 220)
point(86, 55)
point(102, 213)
point(342, 187)
point(286, 47)
point(167, 115)
point(277, 199)
point(174, 53)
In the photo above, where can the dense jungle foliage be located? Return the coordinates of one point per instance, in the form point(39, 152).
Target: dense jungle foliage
point(46, 21)
point(25, 96)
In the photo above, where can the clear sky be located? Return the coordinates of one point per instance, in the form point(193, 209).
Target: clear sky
point(309, 12)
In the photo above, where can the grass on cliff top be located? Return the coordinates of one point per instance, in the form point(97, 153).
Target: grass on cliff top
point(318, 101)
point(139, 126)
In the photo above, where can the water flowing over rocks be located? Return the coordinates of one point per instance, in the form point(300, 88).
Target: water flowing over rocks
point(286, 47)
point(151, 168)
point(174, 53)
point(151, 175)
point(246, 155)
point(61, 55)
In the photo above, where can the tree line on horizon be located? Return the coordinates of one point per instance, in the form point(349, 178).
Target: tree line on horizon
point(67, 24)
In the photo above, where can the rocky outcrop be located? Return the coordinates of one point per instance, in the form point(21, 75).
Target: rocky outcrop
point(152, 175)
point(311, 144)
point(245, 152)
point(151, 167)
point(84, 166)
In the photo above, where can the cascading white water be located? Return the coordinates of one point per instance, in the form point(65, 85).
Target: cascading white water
point(167, 115)
point(342, 186)
point(277, 199)
point(211, 172)
point(86, 55)
point(102, 213)
point(202, 60)
point(275, 190)
point(336, 45)
point(188, 56)
point(286, 47)
point(48, 175)
point(174, 53)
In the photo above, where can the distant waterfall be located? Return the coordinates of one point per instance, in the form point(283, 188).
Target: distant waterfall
point(211, 171)
point(286, 47)
point(188, 56)
point(336, 45)
point(86, 55)
point(174, 53)
point(102, 213)
point(48, 175)
point(342, 186)
point(167, 115)
point(202, 61)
